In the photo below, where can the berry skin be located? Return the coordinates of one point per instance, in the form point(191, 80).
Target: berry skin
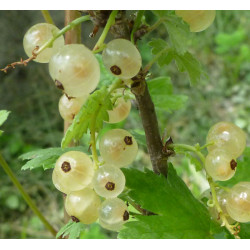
point(238, 204)
point(198, 20)
point(120, 111)
point(113, 214)
point(73, 171)
point(83, 205)
point(38, 35)
point(76, 69)
point(122, 58)
point(118, 147)
point(228, 136)
point(69, 107)
point(108, 181)
point(220, 165)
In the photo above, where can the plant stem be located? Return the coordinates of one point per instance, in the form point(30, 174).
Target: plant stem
point(109, 23)
point(137, 24)
point(47, 16)
point(151, 128)
point(70, 26)
point(25, 195)
point(156, 24)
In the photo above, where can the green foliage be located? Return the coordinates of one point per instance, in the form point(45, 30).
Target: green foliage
point(161, 90)
point(45, 158)
point(244, 231)
point(3, 117)
point(97, 105)
point(185, 62)
point(139, 136)
point(178, 30)
point(242, 170)
point(71, 229)
point(179, 214)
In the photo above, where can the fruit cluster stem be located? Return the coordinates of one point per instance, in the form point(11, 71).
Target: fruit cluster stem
point(47, 17)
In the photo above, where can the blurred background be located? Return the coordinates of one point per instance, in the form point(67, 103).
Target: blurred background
point(30, 95)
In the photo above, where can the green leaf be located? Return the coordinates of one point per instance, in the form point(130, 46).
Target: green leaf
point(187, 63)
point(97, 105)
point(244, 231)
point(106, 77)
point(161, 90)
point(45, 158)
point(194, 161)
point(179, 214)
point(161, 13)
point(242, 170)
point(3, 117)
point(72, 229)
point(179, 33)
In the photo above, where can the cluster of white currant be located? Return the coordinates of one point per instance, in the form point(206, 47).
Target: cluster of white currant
point(76, 71)
point(75, 176)
point(227, 142)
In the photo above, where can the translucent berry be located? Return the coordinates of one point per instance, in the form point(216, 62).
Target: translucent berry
point(75, 70)
point(220, 165)
point(238, 203)
point(118, 147)
point(83, 205)
point(228, 136)
point(38, 35)
point(198, 20)
point(120, 111)
point(69, 107)
point(113, 214)
point(73, 171)
point(122, 58)
point(108, 181)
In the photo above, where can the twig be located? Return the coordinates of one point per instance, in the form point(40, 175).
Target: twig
point(21, 62)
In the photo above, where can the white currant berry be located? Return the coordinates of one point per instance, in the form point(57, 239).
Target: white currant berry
point(73, 171)
point(228, 136)
point(83, 205)
point(38, 35)
point(75, 70)
point(113, 214)
point(122, 58)
point(238, 203)
point(198, 20)
point(69, 107)
point(118, 147)
point(108, 181)
point(120, 110)
point(220, 165)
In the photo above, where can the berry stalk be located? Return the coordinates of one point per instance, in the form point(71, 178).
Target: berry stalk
point(47, 17)
point(25, 195)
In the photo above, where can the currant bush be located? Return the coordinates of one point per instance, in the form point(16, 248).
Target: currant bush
point(38, 35)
